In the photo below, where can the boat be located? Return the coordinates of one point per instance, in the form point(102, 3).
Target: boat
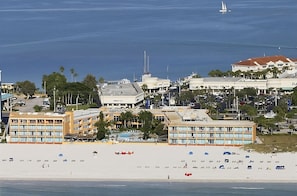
point(224, 8)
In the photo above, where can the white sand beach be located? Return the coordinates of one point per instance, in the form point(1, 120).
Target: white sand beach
point(143, 162)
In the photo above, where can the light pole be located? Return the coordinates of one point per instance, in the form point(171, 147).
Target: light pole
point(44, 86)
point(77, 101)
point(54, 99)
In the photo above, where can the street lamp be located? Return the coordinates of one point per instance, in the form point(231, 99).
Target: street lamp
point(54, 99)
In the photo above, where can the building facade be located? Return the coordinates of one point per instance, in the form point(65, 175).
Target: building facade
point(194, 127)
point(48, 128)
point(128, 95)
point(82, 124)
point(154, 84)
point(8, 87)
point(281, 63)
point(52, 128)
point(222, 83)
point(225, 133)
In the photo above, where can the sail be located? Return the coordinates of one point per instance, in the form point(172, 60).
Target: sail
point(224, 7)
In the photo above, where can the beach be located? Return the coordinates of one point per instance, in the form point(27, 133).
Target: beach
point(143, 162)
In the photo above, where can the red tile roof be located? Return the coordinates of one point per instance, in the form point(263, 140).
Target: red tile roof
point(262, 60)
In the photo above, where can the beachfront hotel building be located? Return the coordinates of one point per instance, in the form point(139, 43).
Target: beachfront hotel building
point(121, 95)
point(37, 127)
point(194, 127)
point(279, 62)
point(52, 128)
point(82, 124)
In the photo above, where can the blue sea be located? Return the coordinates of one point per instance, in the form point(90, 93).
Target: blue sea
point(77, 188)
point(107, 38)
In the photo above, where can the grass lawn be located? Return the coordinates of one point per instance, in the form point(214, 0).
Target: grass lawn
point(275, 143)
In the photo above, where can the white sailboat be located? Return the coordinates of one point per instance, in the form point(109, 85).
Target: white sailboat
point(224, 8)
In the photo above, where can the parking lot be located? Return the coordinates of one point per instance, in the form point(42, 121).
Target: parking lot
point(27, 105)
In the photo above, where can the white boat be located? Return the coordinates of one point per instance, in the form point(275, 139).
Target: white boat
point(224, 8)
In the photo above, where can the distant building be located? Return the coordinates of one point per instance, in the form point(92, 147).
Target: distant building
point(121, 95)
point(224, 83)
point(282, 63)
point(154, 84)
point(8, 87)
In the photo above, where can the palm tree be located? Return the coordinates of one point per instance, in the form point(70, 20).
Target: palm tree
point(237, 73)
point(101, 127)
point(275, 72)
point(62, 69)
point(146, 119)
point(264, 73)
point(144, 88)
point(126, 118)
point(72, 74)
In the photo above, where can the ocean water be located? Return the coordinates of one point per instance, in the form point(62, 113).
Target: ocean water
point(65, 188)
point(107, 37)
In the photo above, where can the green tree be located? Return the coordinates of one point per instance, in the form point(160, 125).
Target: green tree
point(26, 87)
point(216, 73)
point(75, 76)
point(72, 72)
point(101, 80)
point(53, 81)
point(249, 110)
point(275, 72)
point(101, 125)
point(294, 96)
point(237, 73)
point(62, 69)
point(245, 92)
point(90, 81)
point(126, 118)
point(146, 119)
point(76, 89)
point(185, 97)
point(159, 129)
point(37, 108)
